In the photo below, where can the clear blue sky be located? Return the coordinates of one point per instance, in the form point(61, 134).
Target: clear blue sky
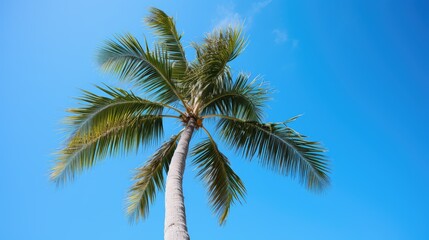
point(357, 70)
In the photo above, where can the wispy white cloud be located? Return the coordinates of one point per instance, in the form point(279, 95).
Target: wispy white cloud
point(228, 16)
point(280, 36)
point(258, 6)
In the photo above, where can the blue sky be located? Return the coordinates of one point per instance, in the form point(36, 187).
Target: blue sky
point(357, 70)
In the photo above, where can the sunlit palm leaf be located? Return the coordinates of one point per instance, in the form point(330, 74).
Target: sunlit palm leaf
point(149, 70)
point(150, 179)
point(220, 47)
point(100, 110)
point(165, 29)
point(211, 71)
point(224, 186)
point(279, 148)
point(242, 99)
point(82, 151)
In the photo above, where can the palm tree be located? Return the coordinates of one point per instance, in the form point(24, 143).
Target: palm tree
point(192, 92)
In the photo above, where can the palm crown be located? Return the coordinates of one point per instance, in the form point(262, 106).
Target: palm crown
point(189, 91)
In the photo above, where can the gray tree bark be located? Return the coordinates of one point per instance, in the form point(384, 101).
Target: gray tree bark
point(175, 217)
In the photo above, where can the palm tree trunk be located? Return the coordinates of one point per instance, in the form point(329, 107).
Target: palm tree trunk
point(175, 217)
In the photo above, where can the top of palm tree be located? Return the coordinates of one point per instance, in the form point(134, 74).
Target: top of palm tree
point(174, 87)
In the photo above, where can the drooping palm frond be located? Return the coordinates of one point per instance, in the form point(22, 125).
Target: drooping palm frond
point(279, 148)
point(82, 151)
point(150, 179)
point(100, 110)
point(165, 29)
point(224, 185)
point(242, 99)
point(148, 70)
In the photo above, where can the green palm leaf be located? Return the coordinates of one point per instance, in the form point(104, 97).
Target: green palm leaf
point(279, 148)
point(99, 110)
point(149, 70)
point(242, 99)
point(224, 186)
point(82, 151)
point(165, 29)
point(211, 72)
point(150, 179)
point(220, 47)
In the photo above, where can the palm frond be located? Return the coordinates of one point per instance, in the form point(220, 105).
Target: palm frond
point(99, 110)
point(221, 46)
point(82, 151)
point(211, 71)
point(165, 28)
point(279, 148)
point(242, 99)
point(224, 185)
point(150, 179)
point(148, 70)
